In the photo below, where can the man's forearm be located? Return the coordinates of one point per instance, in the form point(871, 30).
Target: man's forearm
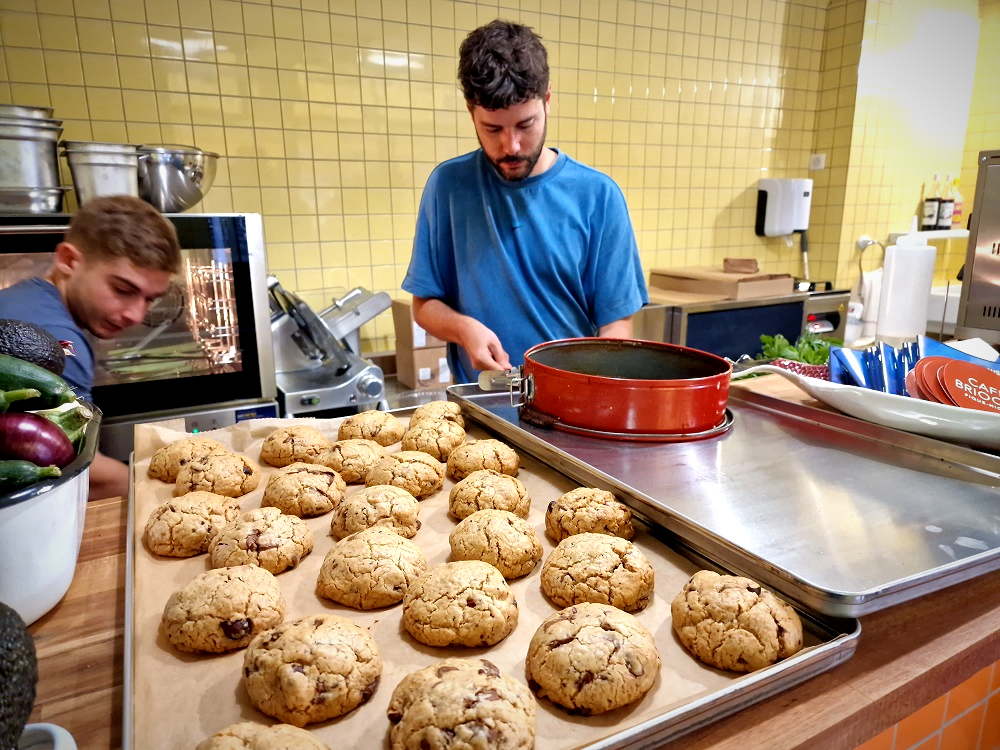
point(619, 329)
point(108, 478)
point(439, 319)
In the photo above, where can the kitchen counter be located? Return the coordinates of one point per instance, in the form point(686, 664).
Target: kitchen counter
point(907, 656)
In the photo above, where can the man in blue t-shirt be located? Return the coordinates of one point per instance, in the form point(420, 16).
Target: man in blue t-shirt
point(517, 243)
point(116, 258)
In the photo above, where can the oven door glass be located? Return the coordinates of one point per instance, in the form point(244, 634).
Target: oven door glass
point(197, 345)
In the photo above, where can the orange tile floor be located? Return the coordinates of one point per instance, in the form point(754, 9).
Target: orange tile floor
point(965, 718)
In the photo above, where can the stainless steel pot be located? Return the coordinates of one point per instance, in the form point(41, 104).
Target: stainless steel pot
point(28, 155)
point(32, 200)
point(21, 110)
point(100, 169)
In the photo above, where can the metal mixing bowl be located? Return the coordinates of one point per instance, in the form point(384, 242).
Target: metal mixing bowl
point(174, 178)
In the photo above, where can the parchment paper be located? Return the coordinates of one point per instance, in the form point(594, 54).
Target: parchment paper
point(179, 699)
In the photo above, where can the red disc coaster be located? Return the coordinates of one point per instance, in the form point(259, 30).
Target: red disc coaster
point(971, 386)
point(926, 374)
point(913, 387)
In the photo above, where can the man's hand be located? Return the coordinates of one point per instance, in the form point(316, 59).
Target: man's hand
point(479, 342)
point(483, 347)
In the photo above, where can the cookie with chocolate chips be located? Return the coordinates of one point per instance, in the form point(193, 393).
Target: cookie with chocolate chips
point(169, 459)
point(416, 472)
point(588, 509)
point(311, 669)
point(482, 454)
point(246, 735)
point(500, 538)
point(370, 569)
point(465, 603)
point(382, 427)
point(461, 703)
point(435, 410)
point(184, 526)
point(292, 444)
point(488, 489)
point(435, 437)
point(381, 505)
point(592, 658)
point(265, 537)
point(229, 474)
point(222, 610)
point(730, 622)
point(598, 568)
point(304, 490)
point(352, 459)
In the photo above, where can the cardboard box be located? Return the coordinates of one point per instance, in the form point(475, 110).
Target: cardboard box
point(408, 334)
point(730, 285)
point(423, 369)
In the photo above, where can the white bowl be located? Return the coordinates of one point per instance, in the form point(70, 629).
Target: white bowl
point(41, 527)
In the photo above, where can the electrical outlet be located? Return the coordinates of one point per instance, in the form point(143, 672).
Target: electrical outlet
point(817, 162)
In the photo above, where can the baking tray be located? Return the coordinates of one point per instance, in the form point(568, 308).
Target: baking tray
point(173, 700)
point(840, 516)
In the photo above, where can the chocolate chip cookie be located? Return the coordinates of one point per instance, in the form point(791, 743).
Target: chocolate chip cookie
point(486, 489)
point(461, 703)
point(380, 426)
point(249, 736)
point(416, 472)
point(466, 603)
point(222, 610)
point(370, 569)
point(265, 537)
point(592, 658)
point(500, 538)
point(352, 458)
point(311, 669)
point(437, 438)
point(288, 445)
point(588, 509)
point(598, 568)
point(168, 460)
point(304, 490)
point(229, 474)
point(438, 410)
point(730, 622)
point(482, 454)
point(184, 526)
point(381, 505)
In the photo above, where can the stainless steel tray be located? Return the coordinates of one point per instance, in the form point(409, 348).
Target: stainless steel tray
point(204, 692)
point(841, 516)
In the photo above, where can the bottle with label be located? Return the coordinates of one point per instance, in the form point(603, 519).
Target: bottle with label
point(932, 202)
point(947, 207)
point(956, 214)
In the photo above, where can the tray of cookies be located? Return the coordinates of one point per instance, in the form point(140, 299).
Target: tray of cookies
point(410, 579)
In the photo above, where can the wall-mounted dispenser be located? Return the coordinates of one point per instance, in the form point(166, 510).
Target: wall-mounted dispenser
point(783, 206)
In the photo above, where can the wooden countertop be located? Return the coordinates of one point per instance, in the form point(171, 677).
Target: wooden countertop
point(907, 656)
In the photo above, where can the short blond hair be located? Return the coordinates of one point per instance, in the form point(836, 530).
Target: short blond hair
point(121, 226)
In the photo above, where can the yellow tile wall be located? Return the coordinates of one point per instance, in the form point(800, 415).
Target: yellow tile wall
point(331, 113)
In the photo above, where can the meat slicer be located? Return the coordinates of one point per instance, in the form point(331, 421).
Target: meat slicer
point(317, 359)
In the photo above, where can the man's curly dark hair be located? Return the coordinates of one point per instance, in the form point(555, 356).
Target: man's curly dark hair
point(502, 64)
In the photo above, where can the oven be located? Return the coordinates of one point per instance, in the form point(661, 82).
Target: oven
point(202, 353)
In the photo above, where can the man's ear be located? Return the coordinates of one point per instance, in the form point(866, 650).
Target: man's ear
point(68, 258)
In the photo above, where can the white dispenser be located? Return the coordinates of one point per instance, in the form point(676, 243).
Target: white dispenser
point(907, 276)
point(783, 206)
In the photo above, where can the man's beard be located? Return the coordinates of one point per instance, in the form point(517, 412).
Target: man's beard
point(528, 162)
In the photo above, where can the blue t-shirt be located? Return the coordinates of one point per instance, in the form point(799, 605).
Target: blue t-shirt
point(38, 301)
point(549, 257)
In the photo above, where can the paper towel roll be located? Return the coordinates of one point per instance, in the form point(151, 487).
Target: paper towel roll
point(907, 276)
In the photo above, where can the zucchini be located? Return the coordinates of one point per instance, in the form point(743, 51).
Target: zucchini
point(18, 373)
point(15, 474)
point(9, 397)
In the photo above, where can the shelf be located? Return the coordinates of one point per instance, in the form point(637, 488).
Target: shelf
point(933, 234)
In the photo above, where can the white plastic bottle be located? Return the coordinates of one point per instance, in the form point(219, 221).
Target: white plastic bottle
point(932, 201)
point(907, 275)
point(957, 211)
point(947, 207)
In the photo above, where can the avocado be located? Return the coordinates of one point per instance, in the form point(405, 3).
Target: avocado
point(18, 676)
point(24, 340)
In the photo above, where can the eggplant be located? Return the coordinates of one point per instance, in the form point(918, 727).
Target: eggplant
point(29, 437)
